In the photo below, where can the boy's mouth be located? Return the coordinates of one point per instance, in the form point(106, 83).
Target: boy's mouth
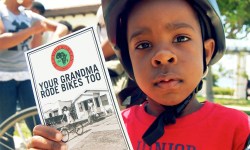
point(167, 82)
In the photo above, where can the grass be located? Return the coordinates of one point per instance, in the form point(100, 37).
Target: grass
point(227, 101)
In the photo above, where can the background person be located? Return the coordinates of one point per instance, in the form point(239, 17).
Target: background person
point(38, 8)
point(68, 25)
point(247, 89)
point(46, 37)
point(16, 29)
point(78, 27)
point(91, 111)
point(66, 112)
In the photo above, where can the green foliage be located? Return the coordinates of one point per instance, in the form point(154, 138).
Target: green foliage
point(247, 112)
point(236, 17)
point(223, 91)
point(228, 101)
point(215, 79)
point(221, 72)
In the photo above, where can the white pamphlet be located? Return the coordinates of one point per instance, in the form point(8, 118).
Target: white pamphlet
point(74, 94)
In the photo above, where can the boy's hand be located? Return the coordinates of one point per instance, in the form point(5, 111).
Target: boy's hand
point(46, 138)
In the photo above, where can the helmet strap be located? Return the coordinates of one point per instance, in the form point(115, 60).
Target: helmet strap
point(205, 66)
point(199, 87)
point(205, 73)
point(156, 129)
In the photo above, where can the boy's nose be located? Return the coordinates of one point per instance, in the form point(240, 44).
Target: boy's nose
point(164, 57)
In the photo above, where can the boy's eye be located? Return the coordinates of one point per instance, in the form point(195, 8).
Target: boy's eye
point(181, 39)
point(143, 45)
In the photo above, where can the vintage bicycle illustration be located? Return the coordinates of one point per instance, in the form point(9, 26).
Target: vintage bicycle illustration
point(72, 116)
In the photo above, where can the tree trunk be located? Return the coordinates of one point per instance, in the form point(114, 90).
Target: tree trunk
point(209, 85)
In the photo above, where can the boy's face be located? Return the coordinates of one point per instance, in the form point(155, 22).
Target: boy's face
point(165, 47)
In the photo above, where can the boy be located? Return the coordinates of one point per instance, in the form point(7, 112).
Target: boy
point(166, 46)
point(38, 8)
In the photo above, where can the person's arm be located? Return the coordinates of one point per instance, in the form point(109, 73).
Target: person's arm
point(59, 29)
point(45, 137)
point(8, 40)
point(37, 40)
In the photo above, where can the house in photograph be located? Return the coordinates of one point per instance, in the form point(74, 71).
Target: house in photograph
point(102, 104)
point(55, 109)
point(79, 107)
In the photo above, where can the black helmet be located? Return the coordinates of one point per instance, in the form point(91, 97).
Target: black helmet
point(208, 13)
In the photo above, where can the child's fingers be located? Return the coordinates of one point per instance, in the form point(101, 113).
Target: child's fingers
point(38, 142)
point(47, 132)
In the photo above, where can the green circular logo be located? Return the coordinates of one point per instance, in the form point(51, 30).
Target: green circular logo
point(62, 57)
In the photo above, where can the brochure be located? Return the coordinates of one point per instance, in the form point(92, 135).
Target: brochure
point(74, 93)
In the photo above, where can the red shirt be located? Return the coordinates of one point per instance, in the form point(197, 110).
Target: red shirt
point(212, 127)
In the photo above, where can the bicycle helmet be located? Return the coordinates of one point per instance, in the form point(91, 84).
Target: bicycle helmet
point(115, 16)
point(209, 17)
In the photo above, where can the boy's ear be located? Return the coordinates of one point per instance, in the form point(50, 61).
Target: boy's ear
point(209, 45)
